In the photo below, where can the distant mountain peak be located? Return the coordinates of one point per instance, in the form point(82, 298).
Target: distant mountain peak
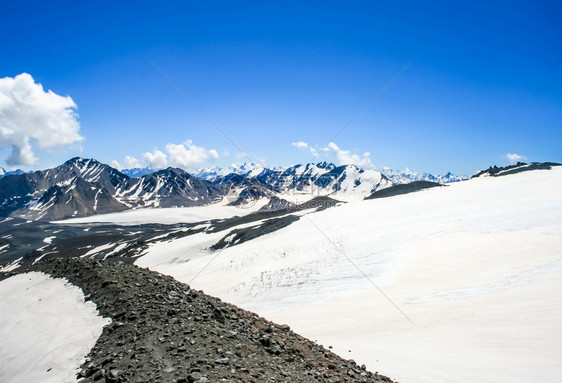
point(80, 161)
point(137, 172)
point(4, 172)
point(406, 176)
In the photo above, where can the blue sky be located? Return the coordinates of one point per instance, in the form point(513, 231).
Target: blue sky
point(485, 80)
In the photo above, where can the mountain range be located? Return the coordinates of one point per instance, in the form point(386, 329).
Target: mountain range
point(82, 187)
point(4, 172)
point(253, 169)
point(406, 176)
point(396, 176)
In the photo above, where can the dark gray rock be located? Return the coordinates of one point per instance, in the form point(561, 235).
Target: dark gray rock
point(163, 331)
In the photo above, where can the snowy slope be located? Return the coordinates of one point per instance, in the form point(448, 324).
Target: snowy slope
point(170, 215)
point(476, 265)
point(46, 329)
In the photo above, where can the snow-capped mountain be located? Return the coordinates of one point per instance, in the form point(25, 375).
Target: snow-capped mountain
point(246, 169)
point(75, 198)
point(170, 187)
point(303, 181)
point(137, 172)
point(81, 187)
point(242, 189)
point(324, 179)
point(406, 176)
point(4, 172)
point(71, 189)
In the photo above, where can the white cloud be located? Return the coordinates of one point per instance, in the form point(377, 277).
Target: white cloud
point(190, 157)
point(132, 162)
point(300, 144)
point(156, 159)
point(116, 165)
point(514, 158)
point(344, 157)
point(187, 156)
point(28, 113)
point(332, 146)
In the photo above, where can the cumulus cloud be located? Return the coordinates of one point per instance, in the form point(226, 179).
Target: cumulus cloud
point(300, 144)
point(132, 162)
point(29, 114)
point(156, 159)
point(116, 165)
point(304, 145)
point(514, 158)
point(345, 157)
point(189, 156)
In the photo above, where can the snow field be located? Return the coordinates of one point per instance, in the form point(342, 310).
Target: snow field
point(169, 215)
point(476, 265)
point(46, 329)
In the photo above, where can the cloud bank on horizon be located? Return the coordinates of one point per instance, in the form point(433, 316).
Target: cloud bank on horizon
point(29, 114)
point(343, 157)
point(186, 155)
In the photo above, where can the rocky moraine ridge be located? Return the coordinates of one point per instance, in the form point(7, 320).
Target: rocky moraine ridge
point(163, 331)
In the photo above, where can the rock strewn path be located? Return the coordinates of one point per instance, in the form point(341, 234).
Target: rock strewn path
point(163, 331)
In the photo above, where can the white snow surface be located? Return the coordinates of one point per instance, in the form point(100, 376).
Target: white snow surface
point(46, 329)
point(170, 215)
point(476, 265)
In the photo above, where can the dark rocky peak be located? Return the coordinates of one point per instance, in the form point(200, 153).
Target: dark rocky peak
point(168, 178)
point(325, 165)
point(172, 187)
point(495, 171)
point(231, 179)
point(77, 198)
point(92, 170)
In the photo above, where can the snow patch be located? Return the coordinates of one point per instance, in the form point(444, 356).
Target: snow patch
point(49, 240)
point(96, 250)
point(46, 329)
